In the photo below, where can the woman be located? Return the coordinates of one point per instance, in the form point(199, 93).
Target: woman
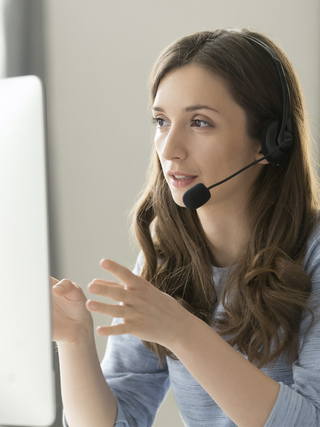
point(224, 302)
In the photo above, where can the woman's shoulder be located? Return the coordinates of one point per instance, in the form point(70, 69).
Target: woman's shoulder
point(312, 256)
point(311, 263)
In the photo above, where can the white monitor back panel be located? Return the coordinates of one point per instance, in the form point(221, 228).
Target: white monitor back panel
point(27, 394)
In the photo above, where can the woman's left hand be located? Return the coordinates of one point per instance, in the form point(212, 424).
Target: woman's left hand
point(147, 313)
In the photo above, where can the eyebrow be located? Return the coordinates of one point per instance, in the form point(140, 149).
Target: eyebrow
point(188, 109)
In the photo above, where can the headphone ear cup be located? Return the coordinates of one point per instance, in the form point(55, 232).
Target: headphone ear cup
point(269, 142)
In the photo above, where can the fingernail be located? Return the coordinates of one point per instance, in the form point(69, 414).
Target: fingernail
point(93, 305)
point(105, 263)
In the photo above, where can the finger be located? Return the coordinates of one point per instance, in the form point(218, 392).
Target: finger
point(108, 289)
point(62, 287)
point(53, 281)
point(70, 290)
point(122, 273)
point(118, 329)
point(113, 310)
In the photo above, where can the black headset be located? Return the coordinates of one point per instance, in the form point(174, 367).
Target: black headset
point(277, 137)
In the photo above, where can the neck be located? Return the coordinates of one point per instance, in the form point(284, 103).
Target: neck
point(227, 234)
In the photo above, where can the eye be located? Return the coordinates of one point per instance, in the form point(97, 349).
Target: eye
point(200, 123)
point(160, 122)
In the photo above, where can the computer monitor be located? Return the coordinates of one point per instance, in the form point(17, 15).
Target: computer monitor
point(27, 390)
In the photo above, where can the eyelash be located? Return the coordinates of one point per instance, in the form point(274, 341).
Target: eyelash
point(202, 121)
point(156, 121)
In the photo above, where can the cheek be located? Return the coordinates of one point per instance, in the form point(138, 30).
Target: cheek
point(158, 147)
point(158, 151)
point(218, 163)
point(161, 163)
point(210, 159)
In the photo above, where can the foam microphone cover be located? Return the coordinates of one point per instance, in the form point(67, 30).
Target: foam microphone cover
point(196, 196)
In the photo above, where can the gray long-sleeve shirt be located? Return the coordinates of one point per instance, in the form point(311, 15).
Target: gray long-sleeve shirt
point(140, 383)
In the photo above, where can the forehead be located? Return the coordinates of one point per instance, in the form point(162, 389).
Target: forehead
point(194, 85)
point(192, 81)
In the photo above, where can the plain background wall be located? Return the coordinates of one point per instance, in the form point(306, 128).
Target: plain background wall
point(98, 57)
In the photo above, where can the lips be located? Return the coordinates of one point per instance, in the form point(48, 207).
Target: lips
point(180, 179)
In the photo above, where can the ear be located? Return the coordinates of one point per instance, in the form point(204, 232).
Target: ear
point(259, 156)
point(259, 152)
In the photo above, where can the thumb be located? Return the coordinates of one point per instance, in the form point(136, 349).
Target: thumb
point(70, 290)
point(53, 281)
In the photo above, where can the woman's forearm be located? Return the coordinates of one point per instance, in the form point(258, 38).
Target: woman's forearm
point(242, 391)
point(87, 398)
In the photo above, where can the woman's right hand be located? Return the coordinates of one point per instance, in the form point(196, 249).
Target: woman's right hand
point(71, 319)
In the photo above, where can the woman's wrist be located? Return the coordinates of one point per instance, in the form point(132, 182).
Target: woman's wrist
point(181, 335)
point(82, 335)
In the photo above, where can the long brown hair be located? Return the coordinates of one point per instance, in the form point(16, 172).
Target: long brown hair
point(267, 291)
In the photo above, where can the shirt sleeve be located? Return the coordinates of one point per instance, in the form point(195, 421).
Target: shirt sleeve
point(137, 379)
point(299, 404)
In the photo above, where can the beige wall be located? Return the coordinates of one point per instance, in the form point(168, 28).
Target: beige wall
point(99, 56)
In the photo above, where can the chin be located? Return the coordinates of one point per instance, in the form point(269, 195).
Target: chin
point(178, 200)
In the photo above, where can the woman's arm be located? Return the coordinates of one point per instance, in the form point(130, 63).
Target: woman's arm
point(136, 378)
point(242, 391)
point(245, 393)
point(87, 398)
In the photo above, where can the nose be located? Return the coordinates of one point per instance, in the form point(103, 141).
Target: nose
point(173, 145)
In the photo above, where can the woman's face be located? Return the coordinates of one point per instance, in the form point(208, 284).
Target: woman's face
point(201, 136)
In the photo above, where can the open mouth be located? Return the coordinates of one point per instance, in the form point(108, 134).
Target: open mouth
point(180, 180)
point(183, 177)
